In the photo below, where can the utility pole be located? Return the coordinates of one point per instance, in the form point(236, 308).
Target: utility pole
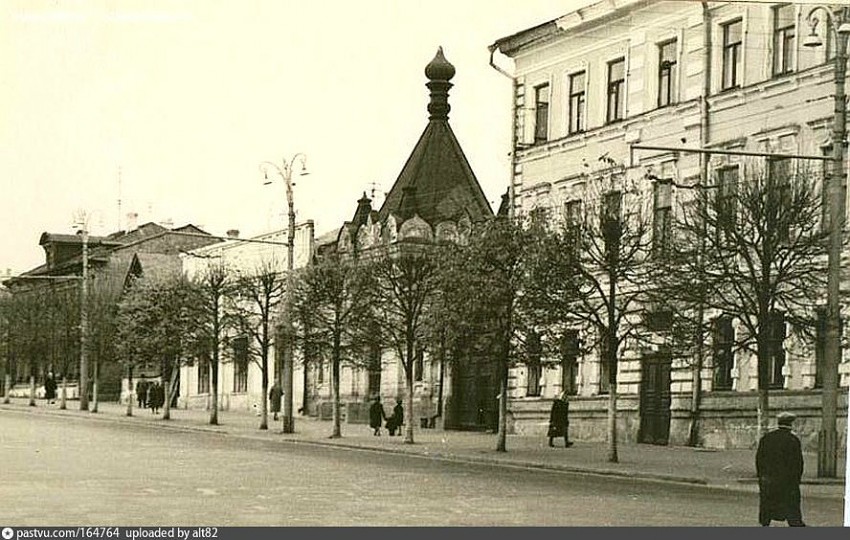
point(84, 359)
point(828, 435)
point(286, 374)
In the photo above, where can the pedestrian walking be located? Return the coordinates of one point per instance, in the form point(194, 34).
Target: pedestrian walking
point(50, 388)
point(779, 466)
point(275, 396)
point(156, 397)
point(142, 393)
point(559, 420)
point(376, 416)
point(396, 420)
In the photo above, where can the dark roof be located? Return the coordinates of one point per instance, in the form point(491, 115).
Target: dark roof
point(444, 186)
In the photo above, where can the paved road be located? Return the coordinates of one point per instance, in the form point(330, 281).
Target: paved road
point(74, 471)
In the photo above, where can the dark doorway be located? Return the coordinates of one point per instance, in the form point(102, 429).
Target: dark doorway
point(655, 400)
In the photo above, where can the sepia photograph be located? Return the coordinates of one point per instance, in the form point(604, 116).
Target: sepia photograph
point(276, 264)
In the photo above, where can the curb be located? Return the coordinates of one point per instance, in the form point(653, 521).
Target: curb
point(739, 485)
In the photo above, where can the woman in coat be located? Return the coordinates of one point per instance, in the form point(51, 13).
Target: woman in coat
point(275, 396)
point(559, 420)
point(376, 416)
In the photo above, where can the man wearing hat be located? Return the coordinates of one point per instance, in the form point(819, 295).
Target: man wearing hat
point(779, 465)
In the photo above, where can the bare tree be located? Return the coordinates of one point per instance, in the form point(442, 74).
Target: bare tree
point(595, 274)
point(336, 293)
point(156, 323)
point(213, 290)
point(406, 285)
point(761, 264)
point(258, 297)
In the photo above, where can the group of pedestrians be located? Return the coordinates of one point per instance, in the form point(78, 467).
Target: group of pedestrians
point(150, 394)
point(377, 417)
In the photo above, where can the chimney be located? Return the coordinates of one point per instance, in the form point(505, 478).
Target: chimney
point(132, 221)
point(233, 233)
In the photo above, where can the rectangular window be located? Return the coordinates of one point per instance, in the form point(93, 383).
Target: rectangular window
point(723, 341)
point(240, 364)
point(533, 366)
point(577, 99)
point(539, 216)
point(779, 196)
point(616, 90)
point(776, 349)
point(541, 113)
point(569, 362)
point(612, 207)
point(374, 370)
point(320, 371)
point(727, 198)
point(663, 216)
point(784, 22)
point(203, 374)
point(666, 73)
point(732, 40)
point(604, 367)
point(419, 364)
point(572, 224)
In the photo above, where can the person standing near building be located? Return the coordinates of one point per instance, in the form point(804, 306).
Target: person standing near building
point(559, 420)
point(50, 388)
point(376, 416)
point(779, 466)
point(142, 393)
point(275, 396)
point(396, 420)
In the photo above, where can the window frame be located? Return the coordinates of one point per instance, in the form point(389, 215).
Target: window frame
point(541, 113)
point(570, 350)
point(616, 88)
point(727, 214)
point(534, 365)
point(733, 48)
point(576, 115)
point(662, 236)
point(670, 69)
point(240, 365)
point(723, 350)
point(782, 62)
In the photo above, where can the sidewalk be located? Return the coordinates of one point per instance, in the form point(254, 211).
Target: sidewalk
point(723, 469)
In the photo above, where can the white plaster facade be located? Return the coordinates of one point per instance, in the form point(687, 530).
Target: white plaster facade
point(785, 110)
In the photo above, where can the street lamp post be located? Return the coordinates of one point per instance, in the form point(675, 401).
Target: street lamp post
point(285, 172)
point(828, 435)
point(84, 358)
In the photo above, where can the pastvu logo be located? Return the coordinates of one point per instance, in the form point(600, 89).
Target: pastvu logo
point(8, 533)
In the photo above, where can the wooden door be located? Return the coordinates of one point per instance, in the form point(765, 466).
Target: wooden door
point(655, 400)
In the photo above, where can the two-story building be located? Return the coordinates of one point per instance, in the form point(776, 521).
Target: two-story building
point(594, 83)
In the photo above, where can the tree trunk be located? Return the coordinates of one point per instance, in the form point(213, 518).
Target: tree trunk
point(337, 431)
point(408, 385)
point(264, 394)
point(763, 356)
point(32, 391)
point(95, 381)
point(696, 388)
point(63, 399)
point(7, 386)
point(169, 394)
point(502, 438)
point(612, 424)
point(130, 393)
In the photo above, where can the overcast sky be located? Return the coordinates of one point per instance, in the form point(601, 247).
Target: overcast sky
point(186, 98)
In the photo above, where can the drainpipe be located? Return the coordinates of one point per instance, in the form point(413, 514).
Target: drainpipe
point(696, 385)
point(511, 195)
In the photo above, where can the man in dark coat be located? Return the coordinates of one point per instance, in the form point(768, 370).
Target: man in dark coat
point(275, 396)
point(142, 393)
point(779, 465)
point(559, 420)
point(395, 421)
point(376, 415)
point(50, 388)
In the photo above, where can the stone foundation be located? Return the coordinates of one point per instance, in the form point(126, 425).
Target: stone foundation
point(727, 420)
